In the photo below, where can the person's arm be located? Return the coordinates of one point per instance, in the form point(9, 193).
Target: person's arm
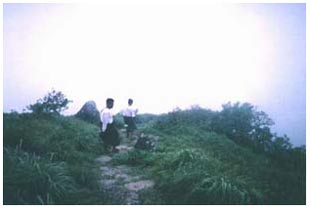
point(101, 116)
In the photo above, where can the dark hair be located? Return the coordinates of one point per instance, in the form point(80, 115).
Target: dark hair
point(130, 101)
point(109, 100)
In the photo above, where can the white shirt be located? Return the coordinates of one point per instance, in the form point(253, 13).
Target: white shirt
point(106, 117)
point(130, 111)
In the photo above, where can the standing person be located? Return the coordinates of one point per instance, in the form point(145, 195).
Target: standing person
point(129, 115)
point(109, 132)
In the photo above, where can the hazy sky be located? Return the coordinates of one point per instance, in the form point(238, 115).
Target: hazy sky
point(161, 56)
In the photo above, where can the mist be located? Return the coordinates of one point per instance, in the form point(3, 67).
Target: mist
point(162, 56)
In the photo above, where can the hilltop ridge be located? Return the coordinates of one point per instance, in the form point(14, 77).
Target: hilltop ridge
point(200, 157)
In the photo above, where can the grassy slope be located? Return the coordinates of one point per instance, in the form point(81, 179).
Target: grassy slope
point(49, 160)
point(193, 165)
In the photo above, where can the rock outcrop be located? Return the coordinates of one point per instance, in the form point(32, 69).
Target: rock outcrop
point(89, 113)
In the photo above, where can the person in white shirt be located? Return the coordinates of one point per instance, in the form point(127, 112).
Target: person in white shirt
point(109, 133)
point(129, 115)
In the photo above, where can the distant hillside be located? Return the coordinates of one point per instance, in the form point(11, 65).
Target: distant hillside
point(201, 157)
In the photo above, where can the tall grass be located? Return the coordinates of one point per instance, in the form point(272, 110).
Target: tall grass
point(31, 179)
point(192, 176)
point(193, 165)
point(50, 160)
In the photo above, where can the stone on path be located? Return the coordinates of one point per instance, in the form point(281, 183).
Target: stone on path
point(139, 185)
point(103, 159)
point(124, 148)
point(120, 180)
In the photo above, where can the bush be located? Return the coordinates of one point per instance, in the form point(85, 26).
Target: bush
point(244, 124)
point(53, 103)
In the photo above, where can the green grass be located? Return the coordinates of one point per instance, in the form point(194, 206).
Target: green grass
point(199, 173)
point(193, 165)
point(31, 179)
point(50, 160)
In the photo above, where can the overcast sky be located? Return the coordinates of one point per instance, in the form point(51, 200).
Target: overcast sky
point(161, 56)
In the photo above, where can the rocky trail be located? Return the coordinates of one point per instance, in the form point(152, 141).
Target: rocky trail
point(122, 182)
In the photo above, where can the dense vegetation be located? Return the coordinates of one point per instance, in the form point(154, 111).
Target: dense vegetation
point(226, 157)
point(50, 160)
point(202, 157)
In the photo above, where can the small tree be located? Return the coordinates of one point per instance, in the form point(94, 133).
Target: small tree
point(242, 122)
point(52, 103)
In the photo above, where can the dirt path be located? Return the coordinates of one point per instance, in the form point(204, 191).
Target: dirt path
point(120, 181)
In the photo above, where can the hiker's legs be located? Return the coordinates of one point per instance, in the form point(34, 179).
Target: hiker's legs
point(106, 147)
point(127, 133)
point(114, 149)
point(130, 135)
